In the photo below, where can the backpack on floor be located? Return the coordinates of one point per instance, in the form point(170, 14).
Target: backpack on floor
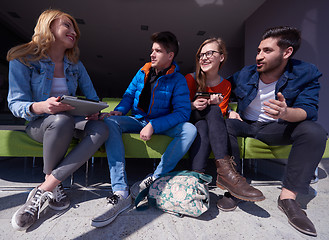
point(180, 193)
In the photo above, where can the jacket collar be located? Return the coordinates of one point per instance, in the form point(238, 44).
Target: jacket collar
point(287, 74)
point(289, 70)
point(173, 68)
point(254, 79)
point(48, 59)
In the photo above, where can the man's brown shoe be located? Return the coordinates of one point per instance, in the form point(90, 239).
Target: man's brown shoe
point(228, 202)
point(229, 179)
point(296, 216)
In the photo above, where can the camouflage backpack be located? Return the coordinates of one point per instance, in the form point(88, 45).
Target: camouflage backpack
point(180, 193)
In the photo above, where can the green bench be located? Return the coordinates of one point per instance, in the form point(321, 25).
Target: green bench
point(14, 142)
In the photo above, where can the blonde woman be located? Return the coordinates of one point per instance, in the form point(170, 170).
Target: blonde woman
point(209, 95)
point(40, 72)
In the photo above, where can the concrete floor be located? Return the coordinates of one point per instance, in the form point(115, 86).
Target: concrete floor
point(262, 220)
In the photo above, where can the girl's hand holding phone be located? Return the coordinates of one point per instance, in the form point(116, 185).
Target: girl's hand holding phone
point(200, 103)
point(215, 99)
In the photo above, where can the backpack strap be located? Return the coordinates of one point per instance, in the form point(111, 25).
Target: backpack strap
point(204, 177)
point(140, 198)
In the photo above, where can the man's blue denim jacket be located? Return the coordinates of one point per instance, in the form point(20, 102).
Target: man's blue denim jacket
point(29, 84)
point(299, 85)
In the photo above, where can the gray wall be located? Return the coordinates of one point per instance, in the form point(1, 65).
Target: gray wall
point(234, 62)
point(312, 18)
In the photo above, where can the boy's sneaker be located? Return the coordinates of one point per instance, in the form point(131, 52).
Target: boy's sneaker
point(26, 215)
point(115, 205)
point(139, 186)
point(58, 200)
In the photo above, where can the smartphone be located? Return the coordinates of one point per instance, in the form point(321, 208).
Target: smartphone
point(204, 95)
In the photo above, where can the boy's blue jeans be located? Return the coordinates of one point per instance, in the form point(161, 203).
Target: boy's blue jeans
point(183, 134)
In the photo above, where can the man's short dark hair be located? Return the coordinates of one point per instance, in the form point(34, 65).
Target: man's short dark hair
point(168, 40)
point(287, 36)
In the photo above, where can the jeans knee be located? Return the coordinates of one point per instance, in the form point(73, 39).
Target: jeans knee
point(190, 130)
point(112, 124)
point(311, 131)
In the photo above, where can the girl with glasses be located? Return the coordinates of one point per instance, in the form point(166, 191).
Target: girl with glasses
point(209, 95)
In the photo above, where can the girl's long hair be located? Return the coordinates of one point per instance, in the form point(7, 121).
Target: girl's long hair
point(199, 74)
point(42, 39)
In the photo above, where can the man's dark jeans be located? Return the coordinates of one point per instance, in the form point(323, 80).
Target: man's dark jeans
point(308, 141)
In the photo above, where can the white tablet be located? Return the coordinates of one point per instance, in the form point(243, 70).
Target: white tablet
point(83, 106)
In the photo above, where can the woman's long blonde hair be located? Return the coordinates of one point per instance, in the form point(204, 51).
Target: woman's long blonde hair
point(42, 39)
point(200, 76)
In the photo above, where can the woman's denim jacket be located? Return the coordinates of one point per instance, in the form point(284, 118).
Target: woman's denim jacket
point(29, 84)
point(299, 85)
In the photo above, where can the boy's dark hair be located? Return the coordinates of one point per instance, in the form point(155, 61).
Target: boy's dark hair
point(287, 36)
point(168, 40)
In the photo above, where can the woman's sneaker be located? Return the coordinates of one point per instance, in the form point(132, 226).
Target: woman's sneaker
point(58, 200)
point(25, 216)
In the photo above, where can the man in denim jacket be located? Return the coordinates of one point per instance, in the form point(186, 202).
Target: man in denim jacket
point(278, 104)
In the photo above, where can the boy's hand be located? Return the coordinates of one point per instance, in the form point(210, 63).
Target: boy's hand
point(112, 113)
point(146, 133)
point(93, 116)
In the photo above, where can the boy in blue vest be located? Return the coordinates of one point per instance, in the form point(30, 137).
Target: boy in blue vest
point(158, 98)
